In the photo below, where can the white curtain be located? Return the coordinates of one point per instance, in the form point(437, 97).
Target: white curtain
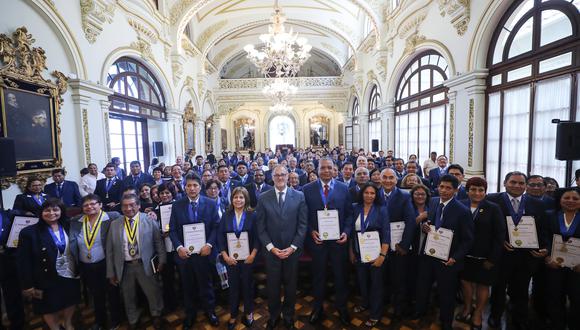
point(492, 152)
point(516, 117)
point(552, 100)
point(438, 129)
point(403, 123)
point(356, 141)
point(397, 134)
point(423, 136)
point(413, 126)
point(576, 163)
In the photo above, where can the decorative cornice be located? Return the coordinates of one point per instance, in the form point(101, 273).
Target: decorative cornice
point(144, 32)
point(189, 48)
point(476, 77)
point(458, 11)
point(300, 82)
point(412, 42)
point(217, 60)
point(411, 26)
point(143, 47)
point(204, 37)
point(94, 14)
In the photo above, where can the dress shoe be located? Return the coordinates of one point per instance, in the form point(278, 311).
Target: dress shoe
point(248, 322)
point(271, 325)
point(232, 325)
point(289, 324)
point(157, 323)
point(212, 318)
point(315, 316)
point(188, 323)
point(344, 317)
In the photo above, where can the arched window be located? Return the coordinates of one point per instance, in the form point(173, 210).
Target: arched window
point(374, 119)
point(533, 78)
point(137, 97)
point(348, 130)
point(421, 113)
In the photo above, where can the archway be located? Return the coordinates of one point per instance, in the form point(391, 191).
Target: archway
point(282, 131)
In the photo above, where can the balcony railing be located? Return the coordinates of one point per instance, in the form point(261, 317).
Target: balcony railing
point(300, 82)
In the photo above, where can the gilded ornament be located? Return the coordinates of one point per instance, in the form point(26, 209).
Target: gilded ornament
point(470, 144)
point(451, 131)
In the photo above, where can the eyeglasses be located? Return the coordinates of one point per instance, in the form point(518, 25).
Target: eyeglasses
point(90, 204)
point(280, 175)
point(535, 185)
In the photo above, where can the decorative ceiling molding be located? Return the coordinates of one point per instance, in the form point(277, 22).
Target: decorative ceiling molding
point(412, 42)
point(368, 43)
point(344, 28)
point(144, 32)
point(411, 25)
point(189, 47)
point(218, 59)
point(331, 49)
point(94, 14)
point(203, 38)
point(143, 47)
point(458, 11)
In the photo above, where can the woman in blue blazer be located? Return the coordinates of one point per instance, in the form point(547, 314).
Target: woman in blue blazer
point(239, 218)
point(167, 195)
point(370, 216)
point(46, 267)
point(563, 281)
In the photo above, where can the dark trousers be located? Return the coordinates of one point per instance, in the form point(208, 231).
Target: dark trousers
point(95, 278)
point(539, 292)
point(430, 270)
point(168, 280)
point(562, 283)
point(370, 280)
point(515, 272)
point(321, 255)
point(240, 279)
point(281, 272)
point(398, 269)
point(196, 280)
point(11, 290)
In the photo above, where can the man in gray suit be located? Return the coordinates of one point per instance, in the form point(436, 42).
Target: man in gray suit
point(282, 219)
point(133, 241)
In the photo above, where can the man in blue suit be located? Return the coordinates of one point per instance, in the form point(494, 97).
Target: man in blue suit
point(136, 178)
point(282, 221)
point(243, 177)
point(257, 188)
point(195, 269)
point(293, 168)
point(228, 184)
point(347, 172)
point(66, 191)
point(400, 209)
point(109, 189)
point(457, 171)
point(447, 212)
point(328, 194)
point(436, 173)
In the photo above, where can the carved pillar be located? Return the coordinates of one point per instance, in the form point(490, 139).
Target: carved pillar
point(200, 137)
point(175, 134)
point(363, 122)
point(452, 95)
point(217, 135)
point(467, 97)
point(387, 126)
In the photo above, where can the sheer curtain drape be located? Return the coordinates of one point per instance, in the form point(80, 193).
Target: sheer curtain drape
point(493, 129)
point(438, 129)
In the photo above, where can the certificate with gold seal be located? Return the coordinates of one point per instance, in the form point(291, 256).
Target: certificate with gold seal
point(328, 225)
point(238, 248)
point(438, 243)
point(194, 237)
point(524, 235)
point(566, 253)
point(369, 244)
point(165, 213)
point(397, 229)
point(18, 224)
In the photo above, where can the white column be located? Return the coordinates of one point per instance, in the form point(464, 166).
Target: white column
point(387, 126)
point(199, 137)
point(217, 135)
point(363, 121)
point(175, 145)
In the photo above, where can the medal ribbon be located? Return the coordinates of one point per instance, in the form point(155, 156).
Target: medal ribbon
point(238, 230)
point(59, 242)
point(516, 217)
point(567, 233)
point(131, 231)
point(364, 224)
point(324, 198)
point(91, 234)
point(38, 200)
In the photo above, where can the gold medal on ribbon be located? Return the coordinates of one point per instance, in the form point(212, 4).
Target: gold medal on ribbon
point(90, 234)
point(15, 242)
point(238, 245)
point(564, 249)
point(167, 227)
point(132, 232)
point(367, 258)
point(132, 252)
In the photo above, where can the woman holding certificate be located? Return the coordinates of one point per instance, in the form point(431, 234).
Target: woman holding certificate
point(563, 276)
point(31, 201)
point(238, 245)
point(369, 249)
point(166, 195)
point(46, 268)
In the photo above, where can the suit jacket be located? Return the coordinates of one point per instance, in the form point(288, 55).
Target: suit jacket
point(5, 225)
point(378, 220)
point(76, 227)
point(226, 226)
point(150, 244)
point(253, 191)
point(489, 231)
point(282, 226)
point(456, 217)
point(197, 169)
point(549, 202)
point(424, 181)
point(338, 199)
point(141, 179)
point(114, 194)
point(401, 209)
point(553, 227)
point(461, 194)
point(249, 179)
point(36, 256)
point(434, 178)
point(70, 194)
point(351, 184)
point(26, 203)
point(231, 185)
point(354, 191)
point(207, 213)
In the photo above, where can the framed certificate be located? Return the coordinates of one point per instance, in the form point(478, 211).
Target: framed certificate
point(18, 224)
point(397, 229)
point(328, 225)
point(369, 244)
point(567, 253)
point(165, 213)
point(194, 237)
point(524, 235)
point(238, 248)
point(438, 243)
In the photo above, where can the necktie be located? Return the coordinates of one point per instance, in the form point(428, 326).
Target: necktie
point(515, 204)
point(438, 214)
point(109, 183)
point(326, 190)
point(387, 199)
point(259, 188)
point(59, 190)
point(281, 199)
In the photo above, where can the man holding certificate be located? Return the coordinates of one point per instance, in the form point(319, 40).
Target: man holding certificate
point(238, 245)
point(524, 249)
point(403, 232)
point(329, 224)
point(192, 229)
point(369, 250)
point(9, 280)
point(563, 274)
point(449, 230)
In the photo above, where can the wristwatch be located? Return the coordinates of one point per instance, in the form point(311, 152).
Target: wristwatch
point(383, 255)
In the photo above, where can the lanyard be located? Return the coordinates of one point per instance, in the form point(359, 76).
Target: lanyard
point(364, 224)
point(60, 241)
point(91, 233)
point(238, 230)
point(324, 198)
point(38, 200)
point(570, 231)
point(131, 231)
point(516, 217)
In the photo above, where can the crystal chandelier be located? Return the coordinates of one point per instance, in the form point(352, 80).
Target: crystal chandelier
point(283, 52)
point(279, 90)
point(281, 107)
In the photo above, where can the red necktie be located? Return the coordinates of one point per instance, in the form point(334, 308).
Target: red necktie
point(326, 191)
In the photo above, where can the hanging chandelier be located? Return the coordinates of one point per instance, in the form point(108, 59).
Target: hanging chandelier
point(281, 107)
point(279, 90)
point(283, 53)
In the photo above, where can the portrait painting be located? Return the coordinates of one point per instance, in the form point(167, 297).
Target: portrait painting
point(28, 118)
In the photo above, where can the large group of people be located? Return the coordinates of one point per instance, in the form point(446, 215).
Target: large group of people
point(401, 225)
